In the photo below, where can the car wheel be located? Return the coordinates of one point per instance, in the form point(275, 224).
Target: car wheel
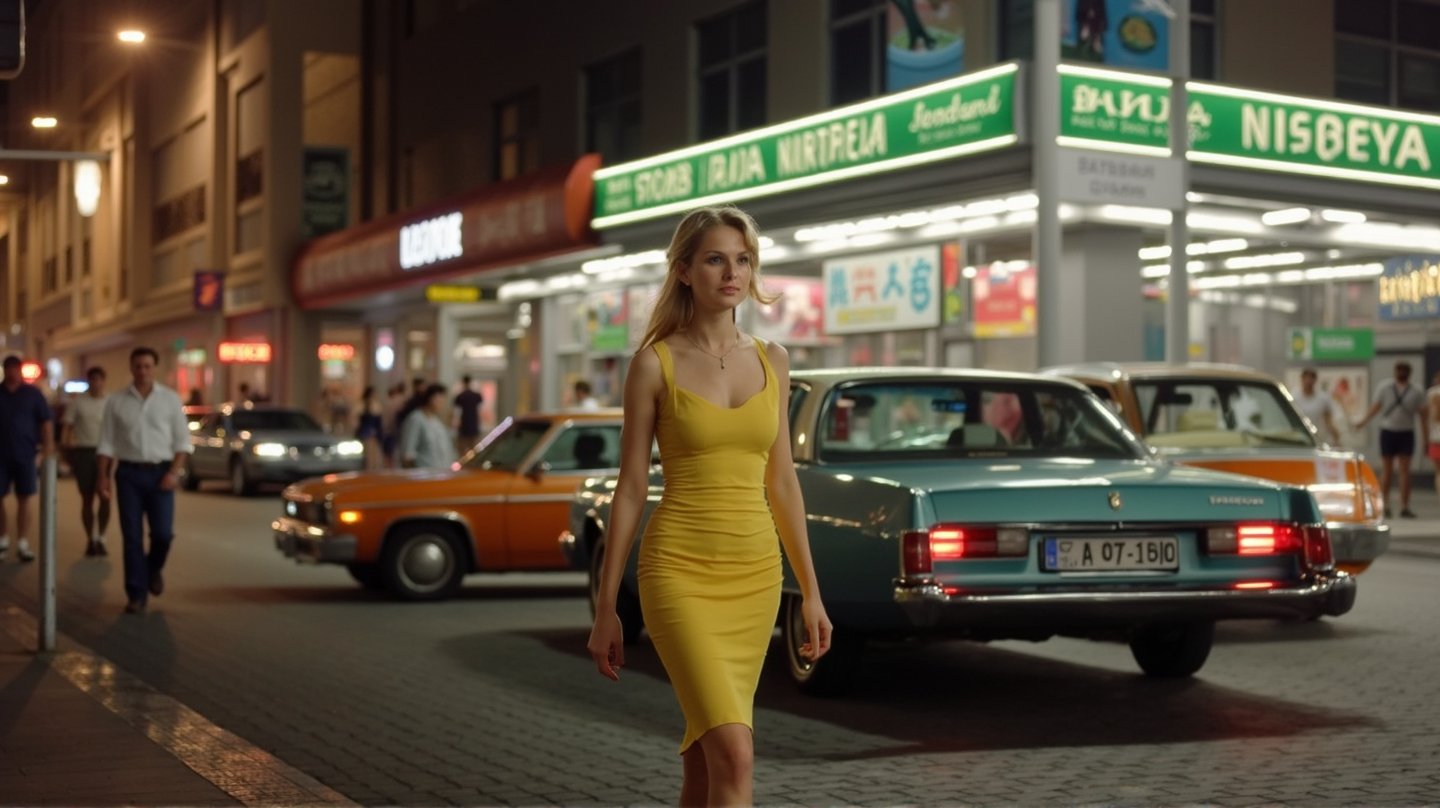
point(367, 575)
point(1173, 650)
point(240, 483)
point(191, 482)
point(830, 675)
point(423, 562)
point(627, 603)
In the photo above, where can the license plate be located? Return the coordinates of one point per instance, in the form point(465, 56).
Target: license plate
point(1112, 554)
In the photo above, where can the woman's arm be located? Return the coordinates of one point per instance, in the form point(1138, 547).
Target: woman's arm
point(643, 388)
point(788, 506)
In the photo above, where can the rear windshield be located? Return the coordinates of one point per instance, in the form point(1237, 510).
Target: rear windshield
point(256, 420)
point(964, 418)
point(1219, 414)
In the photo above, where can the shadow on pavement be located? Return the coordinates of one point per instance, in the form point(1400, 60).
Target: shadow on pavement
point(357, 594)
point(950, 696)
point(1240, 632)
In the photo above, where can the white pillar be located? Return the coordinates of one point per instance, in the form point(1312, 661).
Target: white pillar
point(1177, 306)
point(1045, 240)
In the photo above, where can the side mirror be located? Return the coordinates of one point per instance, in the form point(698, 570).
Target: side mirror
point(537, 471)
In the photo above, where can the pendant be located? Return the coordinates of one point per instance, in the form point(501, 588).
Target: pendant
point(722, 363)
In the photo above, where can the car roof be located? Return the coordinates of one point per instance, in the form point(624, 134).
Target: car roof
point(1116, 371)
point(603, 414)
point(832, 375)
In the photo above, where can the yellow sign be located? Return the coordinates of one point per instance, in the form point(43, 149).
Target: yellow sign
point(438, 293)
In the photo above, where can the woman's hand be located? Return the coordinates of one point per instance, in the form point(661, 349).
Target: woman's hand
point(607, 645)
point(817, 629)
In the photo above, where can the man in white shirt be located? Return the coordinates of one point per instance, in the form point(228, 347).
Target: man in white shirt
point(1398, 402)
point(79, 438)
point(1317, 405)
point(144, 439)
point(425, 441)
point(585, 397)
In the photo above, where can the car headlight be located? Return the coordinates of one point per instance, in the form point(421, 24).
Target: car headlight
point(270, 449)
point(350, 448)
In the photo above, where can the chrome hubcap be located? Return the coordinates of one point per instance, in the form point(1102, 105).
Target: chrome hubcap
point(426, 562)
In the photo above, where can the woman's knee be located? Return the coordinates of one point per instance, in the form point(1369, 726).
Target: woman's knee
point(729, 750)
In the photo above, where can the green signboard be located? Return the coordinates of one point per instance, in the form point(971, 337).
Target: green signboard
point(964, 115)
point(1332, 344)
point(1232, 126)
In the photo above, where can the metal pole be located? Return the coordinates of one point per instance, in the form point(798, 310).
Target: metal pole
point(47, 553)
point(1177, 306)
point(1045, 241)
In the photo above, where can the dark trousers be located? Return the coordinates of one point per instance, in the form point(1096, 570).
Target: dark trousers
point(139, 497)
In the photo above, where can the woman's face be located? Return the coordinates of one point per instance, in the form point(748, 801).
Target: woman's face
point(719, 273)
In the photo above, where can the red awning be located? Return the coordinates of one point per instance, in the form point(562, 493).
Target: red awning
point(524, 219)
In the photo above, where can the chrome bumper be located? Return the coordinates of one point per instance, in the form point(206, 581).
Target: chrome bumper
point(307, 543)
point(1352, 543)
point(928, 605)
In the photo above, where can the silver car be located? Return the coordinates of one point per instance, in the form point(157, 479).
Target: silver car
point(250, 445)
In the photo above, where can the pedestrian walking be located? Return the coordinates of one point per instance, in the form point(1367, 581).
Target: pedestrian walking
point(1398, 402)
point(79, 440)
point(1317, 405)
point(25, 429)
point(467, 411)
point(710, 568)
point(418, 394)
point(390, 422)
point(144, 441)
point(370, 428)
point(425, 441)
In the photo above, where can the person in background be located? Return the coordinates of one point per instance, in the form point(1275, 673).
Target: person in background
point(390, 422)
point(245, 397)
point(467, 413)
point(425, 441)
point(1398, 402)
point(145, 441)
point(80, 437)
point(414, 402)
point(585, 396)
point(1432, 407)
point(25, 428)
point(370, 429)
point(1317, 405)
point(196, 399)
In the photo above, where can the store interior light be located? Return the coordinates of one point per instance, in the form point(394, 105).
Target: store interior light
point(44, 122)
point(1389, 236)
point(1264, 260)
point(1163, 270)
point(1284, 216)
point(518, 290)
point(1222, 245)
point(1342, 216)
point(130, 36)
point(4, 179)
point(640, 259)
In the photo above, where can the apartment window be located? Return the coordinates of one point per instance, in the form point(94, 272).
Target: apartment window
point(1204, 53)
point(857, 49)
point(69, 265)
point(1017, 34)
point(612, 107)
point(1386, 52)
point(732, 71)
point(517, 135)
point(49, 275)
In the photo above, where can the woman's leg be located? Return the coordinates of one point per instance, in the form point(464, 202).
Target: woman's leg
point(695, 789)
point(730, 764)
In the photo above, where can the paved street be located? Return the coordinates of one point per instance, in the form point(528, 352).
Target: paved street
point(490, 698)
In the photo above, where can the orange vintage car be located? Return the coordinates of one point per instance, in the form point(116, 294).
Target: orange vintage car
point(417, 533)
point(1236, 419)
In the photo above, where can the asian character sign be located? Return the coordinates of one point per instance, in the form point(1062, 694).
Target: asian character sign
point(885, 291)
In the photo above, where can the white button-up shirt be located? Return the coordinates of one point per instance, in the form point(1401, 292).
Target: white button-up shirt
point(144, 429)
point(425, 441)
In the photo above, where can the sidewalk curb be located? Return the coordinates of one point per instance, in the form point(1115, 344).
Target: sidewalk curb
point(245, 772)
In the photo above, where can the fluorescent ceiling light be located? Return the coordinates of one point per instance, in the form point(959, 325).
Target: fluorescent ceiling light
point(1223, 245)
point(1389, 236)
point(640, 259)
point(1284, 216)
point(1342, 216)
point(1265, 260)
point(1127, 213)
point(1223, 223)
point(871, 239)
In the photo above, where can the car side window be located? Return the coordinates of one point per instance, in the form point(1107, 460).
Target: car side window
point(584, 448)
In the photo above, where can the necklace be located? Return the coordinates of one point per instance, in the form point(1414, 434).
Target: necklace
point(721, 357)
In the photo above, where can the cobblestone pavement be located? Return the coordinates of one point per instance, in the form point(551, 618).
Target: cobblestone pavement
point(490, 698)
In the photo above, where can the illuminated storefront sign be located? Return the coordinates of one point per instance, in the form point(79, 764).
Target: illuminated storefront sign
point(245, 353)
point(1108, 109)
point(938, 121)
point(444, 293)
point(1331, 344)
point(431, 241)
point(336, 352)
point(1410, 288)
point(886, 291)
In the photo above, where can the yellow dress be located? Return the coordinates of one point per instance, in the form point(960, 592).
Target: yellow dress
point(709, 566)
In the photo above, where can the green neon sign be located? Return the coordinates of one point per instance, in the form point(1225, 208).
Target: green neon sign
point(961, 116)
point(1115, 111)
point(1332, 344)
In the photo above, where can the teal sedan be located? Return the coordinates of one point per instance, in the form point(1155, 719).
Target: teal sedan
point(992, 506)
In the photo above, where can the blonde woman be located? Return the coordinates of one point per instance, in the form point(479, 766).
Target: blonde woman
point(709, 570)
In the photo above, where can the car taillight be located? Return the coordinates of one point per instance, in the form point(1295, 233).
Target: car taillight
point(948, 542)
point(1272, 539)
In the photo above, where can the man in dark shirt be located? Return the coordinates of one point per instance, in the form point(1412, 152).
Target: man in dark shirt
point(467, 408)
point(413, 403)
point(25, 427)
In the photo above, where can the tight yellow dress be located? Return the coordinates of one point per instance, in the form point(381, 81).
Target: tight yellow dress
point(709, 566)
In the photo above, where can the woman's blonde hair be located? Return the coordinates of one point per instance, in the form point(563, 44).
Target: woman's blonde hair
point(675, 307)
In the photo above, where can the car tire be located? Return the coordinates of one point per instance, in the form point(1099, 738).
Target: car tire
point(191, 482)
point(367, 575)
point(240, 483)
point(1173, 650)
point(627, 603)
point(832, 674)
point(423, 562)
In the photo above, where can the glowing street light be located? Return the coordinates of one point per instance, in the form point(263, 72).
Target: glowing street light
point(4, 179)
point(44, 121)
point(130, 36)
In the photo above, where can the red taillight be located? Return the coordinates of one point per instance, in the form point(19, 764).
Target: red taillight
point(1272, 539)
point(952, 543)
point(916, 548)
point(948, 542)
point(1317, 546)
point(1267, 539)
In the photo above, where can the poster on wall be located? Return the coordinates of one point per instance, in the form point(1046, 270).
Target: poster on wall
point(1003, 294)
point(608, 320)
point(641, 300)
point(1349, 388)
point(884, 291)
point(797, 317)
point(925, 42)
point(325, 185)
point(1119, 33)
point(952, 281)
